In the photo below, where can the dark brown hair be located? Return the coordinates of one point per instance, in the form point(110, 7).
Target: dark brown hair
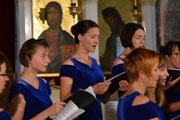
point(169, 47)
point(127, 34)
point(81, 28)
point(29, 48)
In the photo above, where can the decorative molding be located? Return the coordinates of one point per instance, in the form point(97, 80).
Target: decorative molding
point(90, 1)
point(48, 75)
point(148, 2)
point(23, 0)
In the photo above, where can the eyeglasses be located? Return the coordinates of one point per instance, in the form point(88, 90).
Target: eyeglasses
point(176, 54)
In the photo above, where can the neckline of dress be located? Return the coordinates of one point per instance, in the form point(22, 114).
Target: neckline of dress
point(89, 60)
point(26, 83)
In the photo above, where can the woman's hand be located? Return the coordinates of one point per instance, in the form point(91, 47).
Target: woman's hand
point(52, 110)
point(56, 108)
point(171, 83)
point(123, 85)
point(101, 87)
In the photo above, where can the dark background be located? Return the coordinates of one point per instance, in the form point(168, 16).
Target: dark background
point(7, 29)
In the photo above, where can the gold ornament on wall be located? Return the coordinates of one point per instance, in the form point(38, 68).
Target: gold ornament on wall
point(42, 15)
point(73, 9)
point(136, 11)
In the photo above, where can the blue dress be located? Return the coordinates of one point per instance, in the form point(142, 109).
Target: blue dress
point(159, 111)
point(36, 100)
point(172, 96)
point(126, 111)
point(83, 77)
point(4, 115)
point(117, 69)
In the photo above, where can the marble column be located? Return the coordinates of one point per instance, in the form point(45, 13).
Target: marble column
point(24, 27)
point(90, 11)
point(149, 17)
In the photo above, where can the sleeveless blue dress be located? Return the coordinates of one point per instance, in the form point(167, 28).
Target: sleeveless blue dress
point(36, 100)
point(83, 77)
point(4, 115)
point(126, 111)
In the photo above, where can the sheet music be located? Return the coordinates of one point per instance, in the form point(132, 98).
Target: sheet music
point(69, 112)
point(109, 80)
point(90, 90)
point(176, 118)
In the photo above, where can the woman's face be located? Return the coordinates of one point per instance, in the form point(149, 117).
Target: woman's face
point(3, 77)
point(163, 75)
point(174, 59)
point(40, 60)
point(90, 39)
point(138, 38)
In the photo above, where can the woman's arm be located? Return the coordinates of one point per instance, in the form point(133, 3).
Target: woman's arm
point(66, 86)
point(172, 107)
point(52, 110)
point(17, 106)
point(108, 96)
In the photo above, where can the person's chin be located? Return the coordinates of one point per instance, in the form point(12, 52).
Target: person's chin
point(92, 51)
point(43, 71)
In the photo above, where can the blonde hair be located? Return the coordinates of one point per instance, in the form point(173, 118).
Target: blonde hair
point(159, 91)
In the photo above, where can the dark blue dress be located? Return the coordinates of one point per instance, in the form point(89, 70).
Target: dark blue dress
point(4, 115)
point(126, 111)
point(117, 69)
point(159, 111)
point(36, 100)
point(83, 77)
point(172, 96)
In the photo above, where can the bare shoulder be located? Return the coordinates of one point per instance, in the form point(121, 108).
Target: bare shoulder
point(44, 80)
point(68, 62)
point(19, 82)
point(19, 96)
point(117, 61)
point(140, 99)
point(1, 109)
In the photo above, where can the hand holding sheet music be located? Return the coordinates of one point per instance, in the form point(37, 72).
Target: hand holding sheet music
point(115, 81)
point(101, 87)
point(76, 104)
point(113, 86)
